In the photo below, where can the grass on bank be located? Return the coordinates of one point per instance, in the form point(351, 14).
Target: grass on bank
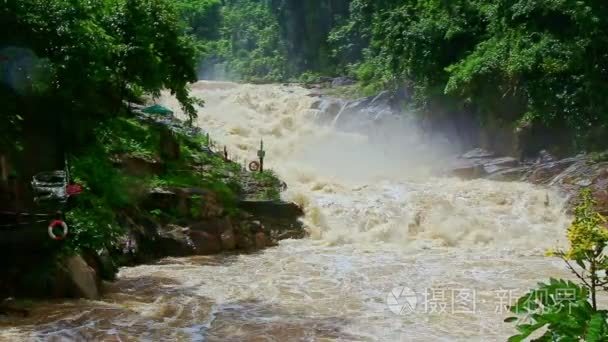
point(109, 190)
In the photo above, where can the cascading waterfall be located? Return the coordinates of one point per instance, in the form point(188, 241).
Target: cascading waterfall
point(377, 220)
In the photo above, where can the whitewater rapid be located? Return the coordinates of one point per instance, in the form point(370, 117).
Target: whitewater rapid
point(383, 233)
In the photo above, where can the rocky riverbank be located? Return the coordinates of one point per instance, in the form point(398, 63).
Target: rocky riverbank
point(569, 175)
point(184, 199)
point(507, 154)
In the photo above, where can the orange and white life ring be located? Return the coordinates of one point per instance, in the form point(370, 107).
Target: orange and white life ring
point(254, 166)
point(58, 223)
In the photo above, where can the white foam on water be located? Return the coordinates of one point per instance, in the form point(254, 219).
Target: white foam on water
point(377, 221)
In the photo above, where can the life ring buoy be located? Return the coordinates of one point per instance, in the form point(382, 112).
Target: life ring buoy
point(254, 166)
point(58, 223)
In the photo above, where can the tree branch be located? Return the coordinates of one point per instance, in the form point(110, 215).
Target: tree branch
point(579, 276)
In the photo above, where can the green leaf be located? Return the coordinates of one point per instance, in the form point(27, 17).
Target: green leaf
point(597, 329)
point(516, 338)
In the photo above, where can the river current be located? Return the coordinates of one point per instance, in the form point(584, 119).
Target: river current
point(393, 254)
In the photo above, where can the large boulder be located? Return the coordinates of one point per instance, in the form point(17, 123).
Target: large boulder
point(581, 173)
point(83, 277)
point(206, 243)
point(198, 203)
point(160, 198)
point(275, 209)
point(545, 173)
point(479, 163)
point(174, 240)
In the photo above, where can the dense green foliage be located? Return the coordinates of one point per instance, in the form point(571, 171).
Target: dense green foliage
point(305, 26)
point(568, 311)
point(518, 62)
point(202, 17)
point(563, 308)
point(66, 70)
point(248, 46)
point(73, 63)
point(264, 41)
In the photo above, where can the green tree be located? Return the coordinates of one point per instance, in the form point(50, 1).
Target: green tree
point(552, 54)
point(68, 67)
point(202, 17)
point(83, 59)
point(250, 46)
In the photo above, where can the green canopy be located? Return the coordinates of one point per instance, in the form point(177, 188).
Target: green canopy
point(157, 110)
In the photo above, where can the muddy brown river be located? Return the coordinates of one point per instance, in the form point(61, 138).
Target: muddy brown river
point(393, 254)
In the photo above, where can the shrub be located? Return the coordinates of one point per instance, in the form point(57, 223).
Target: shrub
point(567, 310)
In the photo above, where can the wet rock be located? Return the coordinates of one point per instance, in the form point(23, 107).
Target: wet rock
point(203, 203)
point(510, 174)
point(544, 173)
point(480, 163)
point(382, 99)
point(601, 198)
point(159, 198)
point(279, 220)
point(206, 243)
point(316, 105)
point(228, 240)
point(102, 263)
point(545, 157)
point(477, 153)
point(499, 164)
point(328, 110)
point(288, 234)
point(244, 242)
point(83, 277)
point(274, 209)
point(107, 267)
point(260, 240)
point(584, 174)
point(467, 171)
point(213, 225)
point(175, 241)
